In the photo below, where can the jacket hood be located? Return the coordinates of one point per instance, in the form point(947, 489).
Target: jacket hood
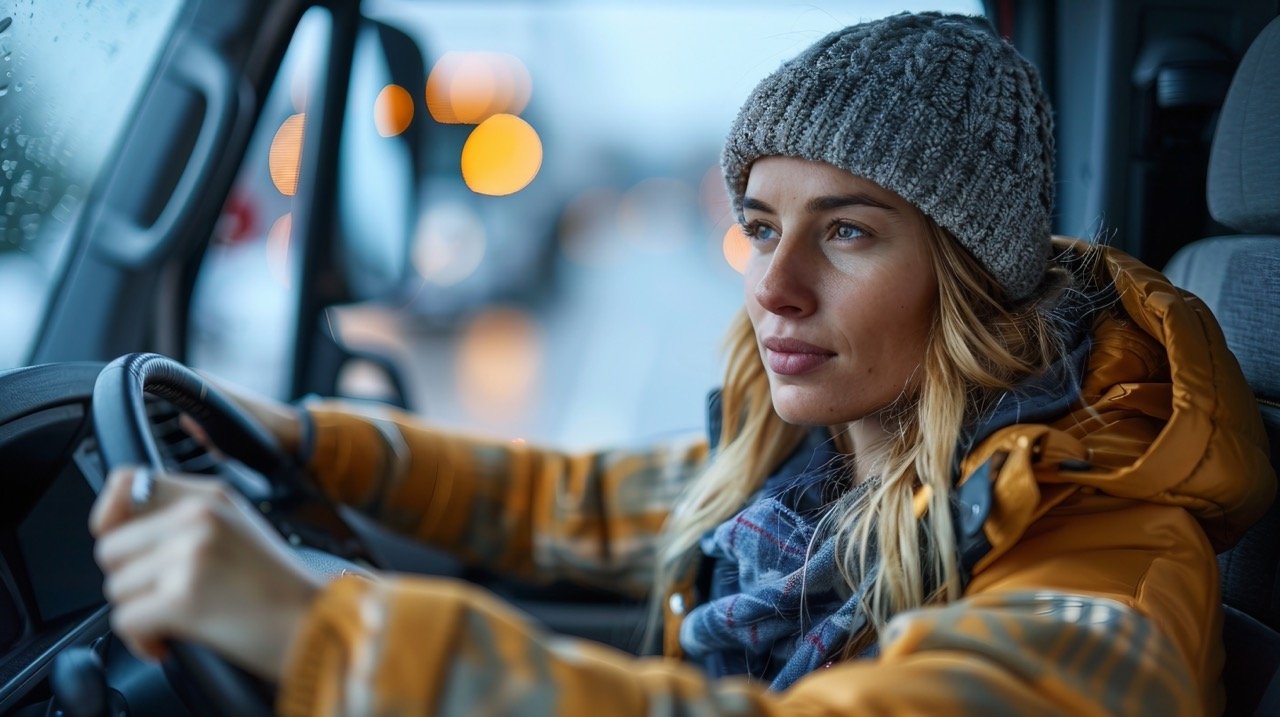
point(1163, 414)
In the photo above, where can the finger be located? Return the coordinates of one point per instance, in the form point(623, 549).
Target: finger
point(114, 504)
point(145, 624)
point(135, 577)
point(173, 487)
point(135, 538)
point(280, 419)
point(146, 650)
point(193, 428)
point(130, 581)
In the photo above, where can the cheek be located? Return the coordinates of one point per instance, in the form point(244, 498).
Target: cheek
point(887, 322)
point(915, 314)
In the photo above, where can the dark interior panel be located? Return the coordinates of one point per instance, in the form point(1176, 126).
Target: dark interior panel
point(1137, 85)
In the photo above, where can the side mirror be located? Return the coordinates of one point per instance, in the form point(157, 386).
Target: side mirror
point(381, 161)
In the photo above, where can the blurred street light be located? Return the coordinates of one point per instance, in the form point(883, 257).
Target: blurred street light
point(392, 110)
point(737, 248)
point(501, 156)
point(499, 361)
point(469, 87)
point(285, 156)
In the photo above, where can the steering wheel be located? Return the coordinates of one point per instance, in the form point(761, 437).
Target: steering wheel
point(208, 684)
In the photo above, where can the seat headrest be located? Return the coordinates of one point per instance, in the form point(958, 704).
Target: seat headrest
point(1244, 164)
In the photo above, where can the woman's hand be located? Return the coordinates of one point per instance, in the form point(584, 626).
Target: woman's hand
point(281, 419)
point(200, 564)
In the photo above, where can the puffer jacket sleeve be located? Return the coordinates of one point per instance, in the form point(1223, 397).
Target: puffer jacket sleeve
point(527, 512)
point(428, 647)
point(1098, 594)
point(1093, 613)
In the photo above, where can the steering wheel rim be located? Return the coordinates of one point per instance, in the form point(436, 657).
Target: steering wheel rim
point(202, 678)
point(122, 386)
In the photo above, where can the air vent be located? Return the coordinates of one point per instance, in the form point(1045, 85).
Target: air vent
point(180, 451)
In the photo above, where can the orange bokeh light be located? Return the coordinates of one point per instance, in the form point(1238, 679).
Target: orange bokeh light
point(469, 87)
point(502, 155)
point(737, 248)
point(284, 159)
point(392, 110)
point(473, 89)
point(498, 363)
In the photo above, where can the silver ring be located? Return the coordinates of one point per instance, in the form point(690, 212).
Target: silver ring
point(143, 487)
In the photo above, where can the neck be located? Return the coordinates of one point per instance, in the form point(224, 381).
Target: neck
point(866, 436)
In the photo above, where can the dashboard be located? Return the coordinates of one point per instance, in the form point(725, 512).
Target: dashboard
point(56, 552)
point(50, 586)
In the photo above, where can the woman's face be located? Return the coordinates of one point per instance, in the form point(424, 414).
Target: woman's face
point(839, 288)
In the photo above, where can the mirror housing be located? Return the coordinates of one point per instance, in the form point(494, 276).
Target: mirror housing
point(380, 175)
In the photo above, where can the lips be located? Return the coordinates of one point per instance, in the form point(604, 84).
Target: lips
point(793, 357)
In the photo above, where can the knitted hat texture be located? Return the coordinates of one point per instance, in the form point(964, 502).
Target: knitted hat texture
point(935, 108)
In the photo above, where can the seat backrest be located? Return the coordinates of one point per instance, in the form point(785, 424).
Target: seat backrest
point(1239, 278)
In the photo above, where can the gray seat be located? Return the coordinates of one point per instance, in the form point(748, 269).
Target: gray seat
point(1239, 278)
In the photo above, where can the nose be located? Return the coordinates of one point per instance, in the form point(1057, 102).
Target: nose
point(787, 288)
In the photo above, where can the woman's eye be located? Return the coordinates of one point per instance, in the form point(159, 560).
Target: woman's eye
point(848, 231)
point(761, 232)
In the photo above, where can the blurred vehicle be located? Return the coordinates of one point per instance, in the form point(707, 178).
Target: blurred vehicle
point(505, 216)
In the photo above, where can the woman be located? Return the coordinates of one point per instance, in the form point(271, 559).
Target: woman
point(955, 467)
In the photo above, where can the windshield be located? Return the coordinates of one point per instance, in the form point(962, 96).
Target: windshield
point(70, 74)
point(586, 305)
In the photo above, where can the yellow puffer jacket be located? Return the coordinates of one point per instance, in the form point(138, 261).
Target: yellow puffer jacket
point(1099, 594)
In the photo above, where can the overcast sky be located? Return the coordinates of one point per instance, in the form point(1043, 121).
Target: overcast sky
point(660, 76)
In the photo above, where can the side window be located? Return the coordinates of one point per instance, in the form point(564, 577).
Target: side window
point(244, 305)
point(65, 103)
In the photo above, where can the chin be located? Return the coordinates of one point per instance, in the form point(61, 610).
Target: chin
point(809, 406)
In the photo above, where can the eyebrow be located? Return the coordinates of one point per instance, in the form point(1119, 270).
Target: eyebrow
point(824, 204)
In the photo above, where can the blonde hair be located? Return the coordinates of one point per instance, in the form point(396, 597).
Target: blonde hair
point(977, 349)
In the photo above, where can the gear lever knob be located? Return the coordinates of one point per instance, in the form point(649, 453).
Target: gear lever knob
point(79, 683)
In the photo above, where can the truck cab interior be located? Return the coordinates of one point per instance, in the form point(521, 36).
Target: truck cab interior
point(234, 186)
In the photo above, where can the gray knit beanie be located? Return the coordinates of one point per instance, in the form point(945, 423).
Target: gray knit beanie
point(936, 108)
